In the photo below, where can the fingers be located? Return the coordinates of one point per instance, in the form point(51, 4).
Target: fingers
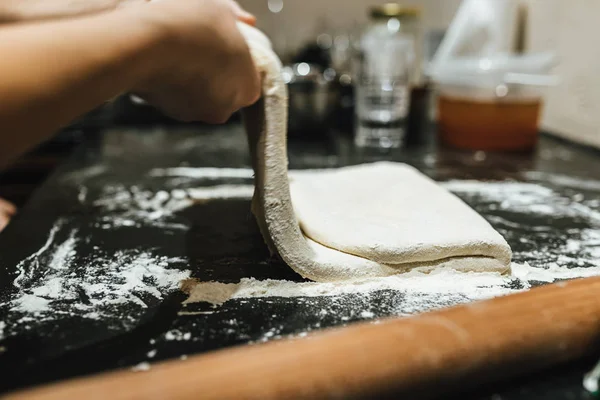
point(242, 14)
point(250, 85)
point(126, 3)
point(210, 73)
point(4, 220)
point(189, 104)
point(8, 208)
point(7, 211)
point(252, 90)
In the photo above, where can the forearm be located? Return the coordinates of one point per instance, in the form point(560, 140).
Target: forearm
point(27, 10)
point(51, 73)
point(9, 11)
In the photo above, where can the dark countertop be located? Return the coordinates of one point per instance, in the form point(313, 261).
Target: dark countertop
point(78, 231)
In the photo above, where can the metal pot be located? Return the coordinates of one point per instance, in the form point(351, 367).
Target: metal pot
point(312, 98)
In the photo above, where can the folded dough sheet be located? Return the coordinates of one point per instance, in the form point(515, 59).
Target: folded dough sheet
point(369, 220)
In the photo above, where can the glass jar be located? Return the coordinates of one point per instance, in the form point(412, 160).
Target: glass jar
point(386, 71)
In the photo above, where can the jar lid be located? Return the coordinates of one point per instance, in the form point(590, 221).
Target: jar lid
point(305, 73)
point(394, 10)
point(531, 69)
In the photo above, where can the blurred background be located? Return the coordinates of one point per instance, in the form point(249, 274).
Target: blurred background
point(478, 75)
point(567, 27)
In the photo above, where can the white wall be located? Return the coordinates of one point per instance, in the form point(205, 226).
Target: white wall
point(301, 20)
point(572, 27)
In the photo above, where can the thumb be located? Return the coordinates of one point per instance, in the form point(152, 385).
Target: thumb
point(242, 14)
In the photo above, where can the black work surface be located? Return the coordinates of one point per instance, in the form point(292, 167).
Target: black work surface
point(218, 240)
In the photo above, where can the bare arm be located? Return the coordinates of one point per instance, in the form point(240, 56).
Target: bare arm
point(27, 10)
point(52, 72)
point(176, 53)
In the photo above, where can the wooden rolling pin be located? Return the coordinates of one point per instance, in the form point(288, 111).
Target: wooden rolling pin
point(422, 356)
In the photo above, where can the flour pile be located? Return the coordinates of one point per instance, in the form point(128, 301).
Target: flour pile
point(418, 288)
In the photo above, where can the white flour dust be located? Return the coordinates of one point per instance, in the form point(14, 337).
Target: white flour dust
point(134, 207)
point(57, 280)
point(472, 285)
point(29, 265)
point(564, 180)
point(141, 367)
point(221, 192)
point(87, 173)
point(204, 173)
point(123, 277)
point(416, 286)
point(530, 198)
point(177, 335)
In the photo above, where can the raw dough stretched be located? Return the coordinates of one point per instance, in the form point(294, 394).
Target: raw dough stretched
point(363, 221)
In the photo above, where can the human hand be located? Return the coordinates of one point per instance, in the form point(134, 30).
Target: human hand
point(241, 14)
point(204, 70)
point(7, 211)
point(28, 10)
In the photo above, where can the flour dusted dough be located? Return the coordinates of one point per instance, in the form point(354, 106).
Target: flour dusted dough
point(392, 214)
point(371, 220)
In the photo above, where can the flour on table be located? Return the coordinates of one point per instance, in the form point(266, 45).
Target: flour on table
point(84, 174)
point(177, 335)
point(203, 173)
point(471, 285)
point(564, 180)
point(133, 206)
point(47, 282)
point(543, 253)
point(417, 286)
point(57, 280)
point(141, 367)
point(528, 198)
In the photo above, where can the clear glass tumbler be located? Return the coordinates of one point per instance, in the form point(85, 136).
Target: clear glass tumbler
point(383, 74)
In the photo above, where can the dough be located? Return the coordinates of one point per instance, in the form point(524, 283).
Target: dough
point(365, 221)
point(392, 214)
